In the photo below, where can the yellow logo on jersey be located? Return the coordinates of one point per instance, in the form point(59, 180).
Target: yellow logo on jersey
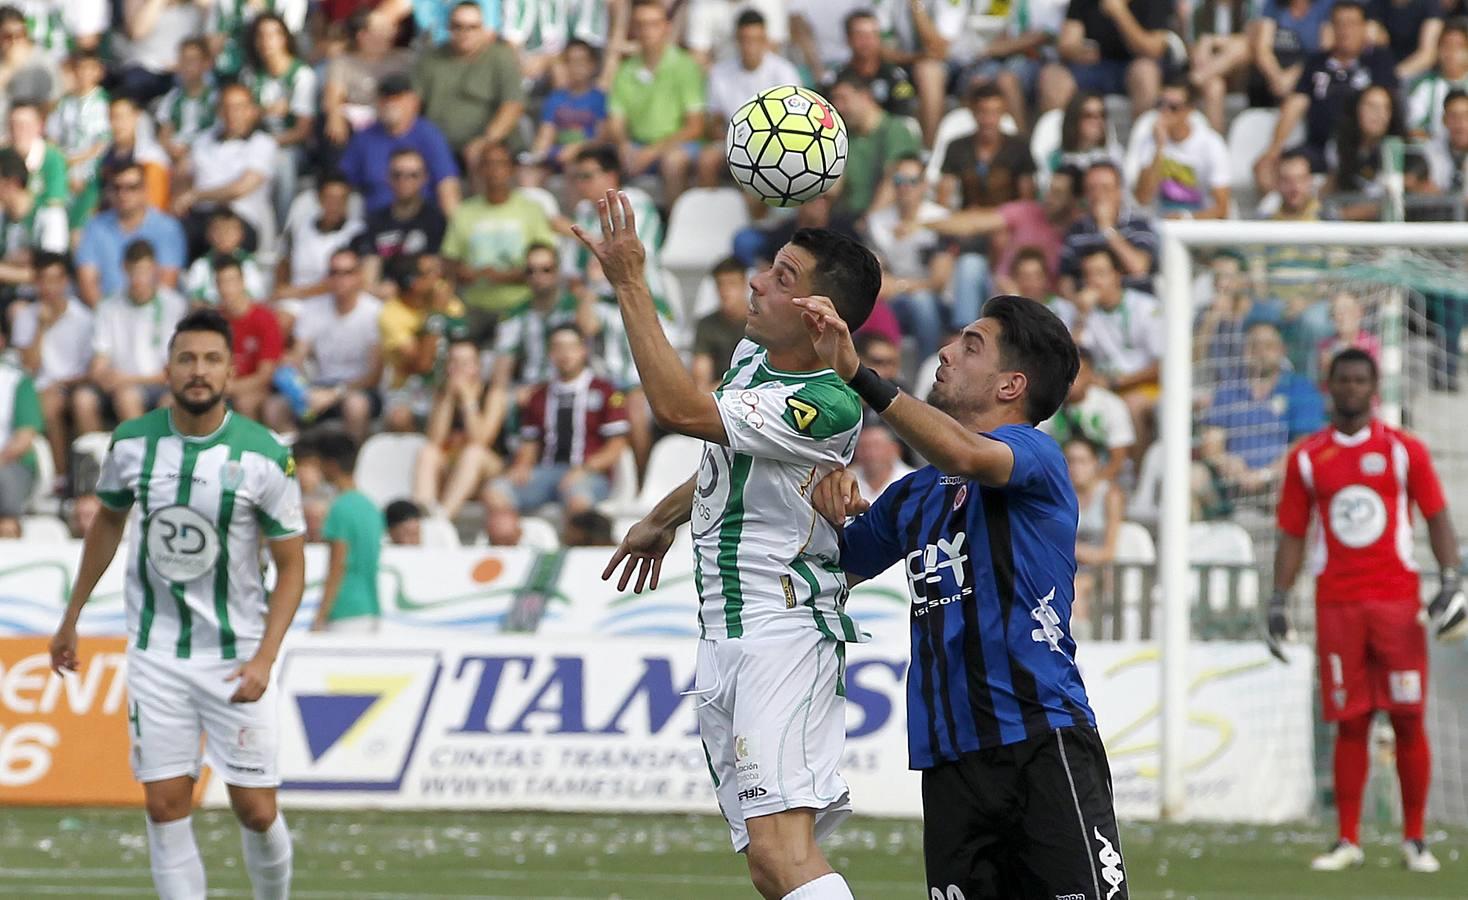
point(802, 413)
point(290, 465)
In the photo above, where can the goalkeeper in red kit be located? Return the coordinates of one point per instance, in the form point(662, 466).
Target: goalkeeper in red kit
point(1360, 476)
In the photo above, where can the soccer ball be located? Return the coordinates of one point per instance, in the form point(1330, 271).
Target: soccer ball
point(787, 145)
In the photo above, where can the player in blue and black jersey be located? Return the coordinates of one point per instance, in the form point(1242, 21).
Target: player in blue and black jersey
point(1016, 788)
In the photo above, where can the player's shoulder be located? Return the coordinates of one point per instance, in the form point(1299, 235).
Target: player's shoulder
point(153, 424)
point(249, 436)
point(1312, 443)
point(822, 407)
point(1404, 436)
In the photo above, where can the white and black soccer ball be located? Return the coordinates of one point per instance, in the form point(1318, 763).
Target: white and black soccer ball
point(786, 145)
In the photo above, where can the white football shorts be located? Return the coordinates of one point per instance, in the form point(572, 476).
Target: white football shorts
point(172, 702)
point(774, 727)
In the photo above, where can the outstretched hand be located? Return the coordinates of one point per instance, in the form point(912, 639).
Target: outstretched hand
point(830, 335)
point(643, 549)
point(620, 250)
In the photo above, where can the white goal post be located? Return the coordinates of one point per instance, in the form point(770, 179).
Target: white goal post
point(1175, 413)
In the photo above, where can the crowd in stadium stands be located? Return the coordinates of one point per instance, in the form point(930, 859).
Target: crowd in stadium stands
point(379, 196)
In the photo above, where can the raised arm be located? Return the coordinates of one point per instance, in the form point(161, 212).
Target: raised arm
point(677, 403)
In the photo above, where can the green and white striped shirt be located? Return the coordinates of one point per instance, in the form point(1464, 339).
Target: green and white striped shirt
point(765, 562)
point(194, 582)
point(189, 116)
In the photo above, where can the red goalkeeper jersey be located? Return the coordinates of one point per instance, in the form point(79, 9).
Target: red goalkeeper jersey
point(1361, 485)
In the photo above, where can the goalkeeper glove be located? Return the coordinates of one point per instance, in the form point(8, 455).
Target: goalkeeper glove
point(1449, 609)
point(1277, 625)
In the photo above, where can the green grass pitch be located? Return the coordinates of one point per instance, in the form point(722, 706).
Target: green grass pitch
point(346, 854)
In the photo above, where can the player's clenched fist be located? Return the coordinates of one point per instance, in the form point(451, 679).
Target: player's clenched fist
point(63, 649)
point(837, 497)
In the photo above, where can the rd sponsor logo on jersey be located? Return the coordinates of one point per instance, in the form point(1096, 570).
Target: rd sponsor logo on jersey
point(1373, 464)
point(343, 722)
point(1049, 620)
point(182, 544)
point(1357, 516)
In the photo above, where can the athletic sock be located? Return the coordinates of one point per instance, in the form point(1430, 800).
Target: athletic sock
point(1352, 747)
point(268, 859)
point(178, 872)
point(1414, 772)
point(828, 887)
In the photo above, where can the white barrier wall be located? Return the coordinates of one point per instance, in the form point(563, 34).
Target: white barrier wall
point(443, 710)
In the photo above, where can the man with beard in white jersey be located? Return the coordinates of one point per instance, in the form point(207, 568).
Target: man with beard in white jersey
point(772, 596)
point(206, 488)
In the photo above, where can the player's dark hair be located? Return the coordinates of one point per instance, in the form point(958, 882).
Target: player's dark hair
point(845, 271)
point(335, 445)
point(1295, 153)
point(604, 155)
point(729, 265)
point(1352, 355)
point(202, 44)
point(332, 176)
point(400, 511)
point(1456, 23)
point(203, 318)
point(1453, 96)
point(749, 17)
point(401, 270)
point(9, 14)
point(1033, 340)
point(137, 250)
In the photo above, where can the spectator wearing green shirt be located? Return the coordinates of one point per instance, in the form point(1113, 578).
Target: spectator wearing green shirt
point(656, 109)
point(354, 528)
point(20, 424)
point(46, 164)
point(471, 86)
point(488, 237)
point(876, 139)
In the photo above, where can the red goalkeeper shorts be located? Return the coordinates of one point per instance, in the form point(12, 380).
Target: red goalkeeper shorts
point(1373, 655)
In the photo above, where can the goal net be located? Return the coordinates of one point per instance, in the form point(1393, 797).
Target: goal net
point(1253, 312)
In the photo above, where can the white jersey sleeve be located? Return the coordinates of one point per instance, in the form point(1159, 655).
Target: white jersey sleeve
point(797, 423)
point(279, 505)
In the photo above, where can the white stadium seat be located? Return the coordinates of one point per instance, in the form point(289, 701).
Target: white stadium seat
point(958, 123)
point(44, 528)
point(701, 228)
point(385, 466)
point(672, 460)
point(439, 532)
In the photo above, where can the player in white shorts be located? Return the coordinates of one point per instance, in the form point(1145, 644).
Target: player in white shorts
point(772, 621)
point(207, 490)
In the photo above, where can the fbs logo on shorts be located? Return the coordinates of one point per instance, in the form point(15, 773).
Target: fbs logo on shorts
point(352, 718)
point(1405, 687)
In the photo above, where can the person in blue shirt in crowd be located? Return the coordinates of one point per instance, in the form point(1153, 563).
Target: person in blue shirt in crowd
point(1265, 409)
point(400, 126)
point(1016, 786)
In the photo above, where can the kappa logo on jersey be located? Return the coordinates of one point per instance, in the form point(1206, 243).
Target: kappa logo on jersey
point(925, 567)
point(802, 414)
point(1049, 631)
point(182, 545)
point(952, 892)
point(357, 716)
point(1110, 863)
point(1357, 516)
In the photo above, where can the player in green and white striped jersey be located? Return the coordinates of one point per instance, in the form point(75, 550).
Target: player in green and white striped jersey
point(205, 489)
point(771, 595)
